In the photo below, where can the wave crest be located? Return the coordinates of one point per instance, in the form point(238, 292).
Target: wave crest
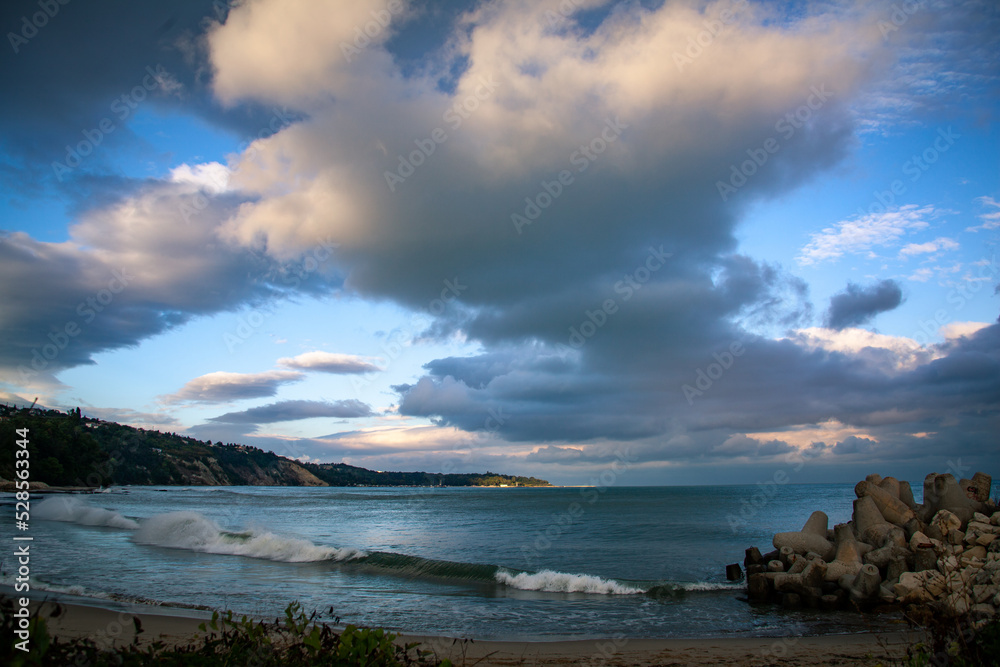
point(74, 510)
point(196, 532)
point(562, 582)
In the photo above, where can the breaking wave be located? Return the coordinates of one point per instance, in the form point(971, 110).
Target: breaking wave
point(73, 510)
point(193, 531)
point(561, 582)
point(196, 532)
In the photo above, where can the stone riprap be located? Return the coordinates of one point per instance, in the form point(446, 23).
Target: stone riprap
point(943, 554)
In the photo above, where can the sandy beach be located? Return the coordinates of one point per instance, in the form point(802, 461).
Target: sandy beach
point(110, 627)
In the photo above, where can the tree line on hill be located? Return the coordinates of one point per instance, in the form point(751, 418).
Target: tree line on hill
point(69, 449)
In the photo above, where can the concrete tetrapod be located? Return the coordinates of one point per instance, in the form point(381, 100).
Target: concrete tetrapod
point(978, 488)
point(847, 561)
point(890, 485)
point(869, 524)
point(906, 495)
point(943, 492)
point(812, 537)
point(866, 584)
point(807, 584)
point(929, 556)
point(892, 508)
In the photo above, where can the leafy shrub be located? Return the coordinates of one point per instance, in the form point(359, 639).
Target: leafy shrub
point(298, 641)
point(957, 642)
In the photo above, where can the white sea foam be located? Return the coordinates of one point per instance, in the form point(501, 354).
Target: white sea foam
point(39, 585)
point(709, 586)
point(76, 510)
point(195, 532)
point(562, 582)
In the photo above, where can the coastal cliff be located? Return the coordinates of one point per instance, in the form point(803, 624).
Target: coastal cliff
point(71, 450)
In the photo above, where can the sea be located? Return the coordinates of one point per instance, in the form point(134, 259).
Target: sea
point(528, 564)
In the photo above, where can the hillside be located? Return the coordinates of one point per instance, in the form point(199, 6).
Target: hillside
point(68, 449)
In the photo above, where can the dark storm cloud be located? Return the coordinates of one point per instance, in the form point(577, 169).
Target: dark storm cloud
point(89, 62)
point(283, 411)
point(553, 454)
point(159, 262)
point(858, 304)
point(854, 445)
point(766, 388)
point(623, 379)
point(618, 313)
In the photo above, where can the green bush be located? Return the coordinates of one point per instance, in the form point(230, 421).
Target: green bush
point(298, 641)
point(957, 642)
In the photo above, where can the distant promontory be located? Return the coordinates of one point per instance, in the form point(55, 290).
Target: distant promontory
point(71, 450)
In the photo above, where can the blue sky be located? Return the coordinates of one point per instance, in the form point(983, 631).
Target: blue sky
point(226, 259)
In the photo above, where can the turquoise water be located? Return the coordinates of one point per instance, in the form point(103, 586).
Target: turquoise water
point(512, 563)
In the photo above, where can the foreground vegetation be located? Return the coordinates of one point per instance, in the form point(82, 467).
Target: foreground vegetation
point(69, 449)
point(296, 641)
point(956, 641)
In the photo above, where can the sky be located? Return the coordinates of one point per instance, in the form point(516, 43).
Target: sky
point(686, 242)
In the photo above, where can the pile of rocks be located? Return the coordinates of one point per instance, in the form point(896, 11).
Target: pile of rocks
point(944, 553)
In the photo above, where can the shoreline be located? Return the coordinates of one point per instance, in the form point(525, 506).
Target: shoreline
point(110, 623)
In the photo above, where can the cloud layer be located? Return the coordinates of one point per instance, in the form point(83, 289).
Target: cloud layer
point(329, 362)
point(549, 192)
point(222, 387)
point(294, 410)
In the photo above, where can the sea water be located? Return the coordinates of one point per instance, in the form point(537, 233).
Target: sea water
point(485, 563)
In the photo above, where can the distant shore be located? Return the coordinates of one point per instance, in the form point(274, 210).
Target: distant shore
point(7, 486)
point(112, 624)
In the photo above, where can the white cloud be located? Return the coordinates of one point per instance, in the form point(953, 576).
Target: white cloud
point(891, 354)
point(803, 436)
point(448, 441)
point(943, 273)
point(959, 329)
point(921, 275)
point(222, 387)
point(325, 176)
point(208, 176)
point(991, 219)
point(329, 362)
point(863, 235)
point(299, 51)
point(938, 244)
